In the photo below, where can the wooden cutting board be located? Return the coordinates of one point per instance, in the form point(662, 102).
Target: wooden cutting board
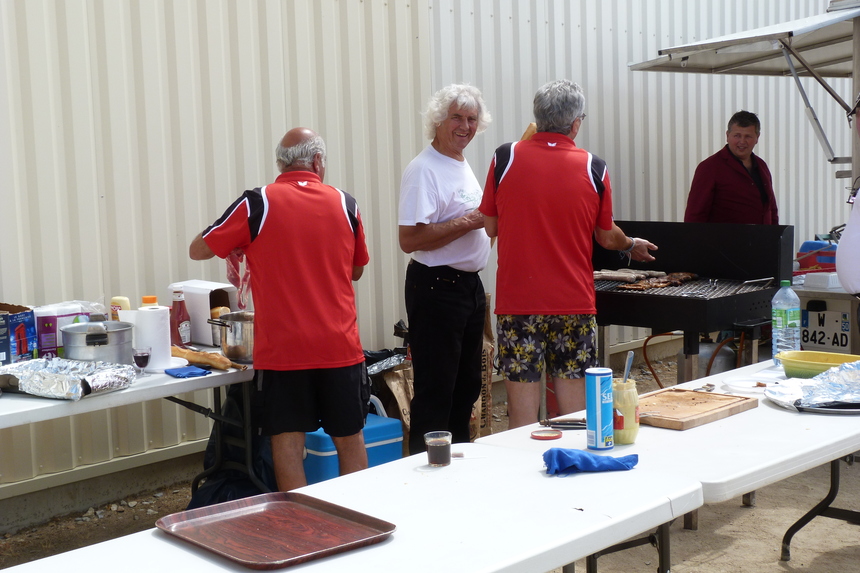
point(681, 409)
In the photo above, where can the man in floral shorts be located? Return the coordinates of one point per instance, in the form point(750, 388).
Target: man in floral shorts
point(565, 344)
point(546, 200)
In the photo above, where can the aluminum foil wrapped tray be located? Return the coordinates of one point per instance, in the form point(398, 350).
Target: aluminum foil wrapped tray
point(65, 379)
point(836, 390)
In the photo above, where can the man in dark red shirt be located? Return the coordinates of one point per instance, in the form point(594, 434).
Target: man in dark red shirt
point(734, 185)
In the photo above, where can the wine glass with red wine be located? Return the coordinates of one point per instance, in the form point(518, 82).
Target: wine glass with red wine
point(141, 356)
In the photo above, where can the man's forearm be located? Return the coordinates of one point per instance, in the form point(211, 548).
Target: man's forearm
point(431, 236)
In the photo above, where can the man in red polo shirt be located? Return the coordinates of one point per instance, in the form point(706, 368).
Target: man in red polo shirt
point(304, 244)
point(545, 199)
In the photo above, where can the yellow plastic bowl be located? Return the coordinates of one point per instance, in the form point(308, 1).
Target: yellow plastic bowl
point(807, 364)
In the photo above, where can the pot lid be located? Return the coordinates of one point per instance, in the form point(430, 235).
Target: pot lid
point(97, 327)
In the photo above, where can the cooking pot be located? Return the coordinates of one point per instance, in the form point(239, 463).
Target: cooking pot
point(107, 341)
point(237, 335)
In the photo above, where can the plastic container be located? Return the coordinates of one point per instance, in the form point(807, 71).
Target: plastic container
point(117, 304)
point(149, 300)
point(808, 363)
point(625, 401)
point(180, 320)
point(785, 315)
point(598, 409)
point(383, 439)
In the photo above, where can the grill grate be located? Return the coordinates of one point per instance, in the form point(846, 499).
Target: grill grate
point(708, 289)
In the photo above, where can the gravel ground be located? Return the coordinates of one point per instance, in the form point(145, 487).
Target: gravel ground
point(64, 533)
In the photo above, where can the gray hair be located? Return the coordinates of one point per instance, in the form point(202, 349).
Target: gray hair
point(463, 95)
point(302, 154)
point(557, 105)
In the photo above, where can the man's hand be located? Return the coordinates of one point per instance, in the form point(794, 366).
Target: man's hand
point(641, 250)
point(474, 219)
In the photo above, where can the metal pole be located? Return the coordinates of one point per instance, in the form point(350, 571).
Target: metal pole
point(855, 75)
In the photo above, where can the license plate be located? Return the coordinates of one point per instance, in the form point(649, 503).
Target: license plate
point(825, 330)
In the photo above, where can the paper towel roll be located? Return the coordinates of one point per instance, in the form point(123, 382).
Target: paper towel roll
point(151, 328)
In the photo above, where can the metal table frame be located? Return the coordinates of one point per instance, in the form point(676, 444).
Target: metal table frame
point(221, 440)
point(823, 509)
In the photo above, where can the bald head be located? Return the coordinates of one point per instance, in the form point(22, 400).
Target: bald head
point(301, 149)
point(296, 136)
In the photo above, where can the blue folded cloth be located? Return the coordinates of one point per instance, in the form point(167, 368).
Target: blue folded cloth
point(187, 372)
point(565, 461)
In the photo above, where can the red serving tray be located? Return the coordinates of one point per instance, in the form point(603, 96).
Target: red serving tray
point(276, 530)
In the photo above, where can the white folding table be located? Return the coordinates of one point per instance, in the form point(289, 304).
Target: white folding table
point(17, 409)
point(494, 509)
point(732, 456)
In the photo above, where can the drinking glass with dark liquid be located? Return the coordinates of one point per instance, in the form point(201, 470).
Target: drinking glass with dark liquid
point(141, 359)
point(438, 448)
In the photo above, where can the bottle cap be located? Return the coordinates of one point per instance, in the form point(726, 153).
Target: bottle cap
point(149, 299)
point(785, 283)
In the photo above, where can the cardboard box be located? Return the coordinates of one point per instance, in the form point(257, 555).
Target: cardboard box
point(383, 438)
point(200, 298)
point(18, 338)
point(481, 423)
point(49, 319)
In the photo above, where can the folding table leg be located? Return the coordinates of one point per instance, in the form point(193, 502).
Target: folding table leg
point(664, 549)
point(218, 457)
point(819, 509)
point(659, 539)
point(247, 428)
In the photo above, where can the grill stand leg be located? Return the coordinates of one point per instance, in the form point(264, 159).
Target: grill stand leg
point(688, 368)
point(691, 520)
point(603, 342)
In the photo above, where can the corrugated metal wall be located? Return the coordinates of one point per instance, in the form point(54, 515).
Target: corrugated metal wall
point(126, 126)
point(651, 128)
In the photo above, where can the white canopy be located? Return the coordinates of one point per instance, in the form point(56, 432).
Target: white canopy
point(824, 42)
point(824, 47)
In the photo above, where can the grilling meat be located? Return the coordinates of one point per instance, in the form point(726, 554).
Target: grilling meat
point(683, 277)
point(625, 275)
point(672, 279)
point(606, 275)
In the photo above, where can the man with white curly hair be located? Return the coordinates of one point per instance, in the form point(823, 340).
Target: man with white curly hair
point(445, 302)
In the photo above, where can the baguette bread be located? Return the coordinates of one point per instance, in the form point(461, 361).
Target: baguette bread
point(218, 311)
point(211, 359)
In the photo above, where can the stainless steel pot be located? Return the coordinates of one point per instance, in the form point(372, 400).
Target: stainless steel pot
point(108, 341)
point(237, 335)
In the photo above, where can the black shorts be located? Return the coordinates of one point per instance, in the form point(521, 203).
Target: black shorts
point(304, 400)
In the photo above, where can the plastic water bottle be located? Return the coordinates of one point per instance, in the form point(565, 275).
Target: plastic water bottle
point(785, 314)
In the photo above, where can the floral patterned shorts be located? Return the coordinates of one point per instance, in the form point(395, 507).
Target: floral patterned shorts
point(565, 343)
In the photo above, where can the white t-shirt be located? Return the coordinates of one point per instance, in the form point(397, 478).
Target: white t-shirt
point(436, 188)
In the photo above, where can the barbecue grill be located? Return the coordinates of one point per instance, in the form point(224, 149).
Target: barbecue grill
point(739, 269)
